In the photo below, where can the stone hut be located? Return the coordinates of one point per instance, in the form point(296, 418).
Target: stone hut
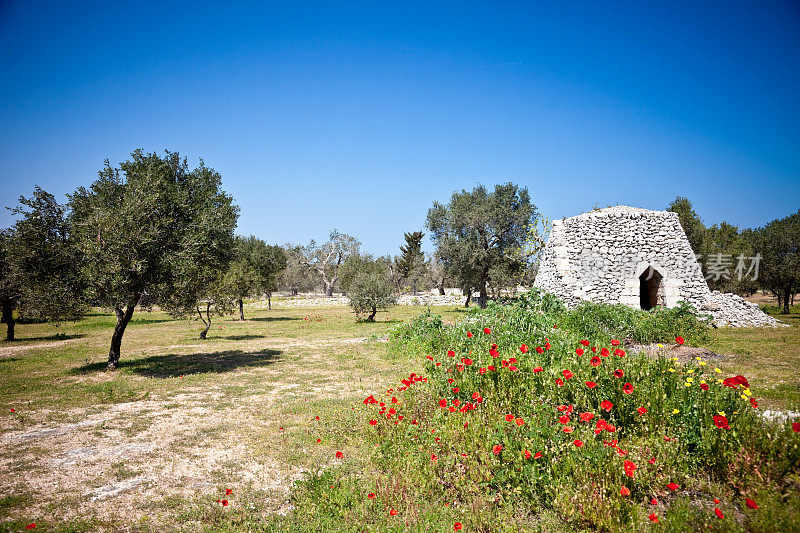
point(636, 257)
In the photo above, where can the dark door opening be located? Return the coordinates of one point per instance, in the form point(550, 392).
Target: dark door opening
point(649, 284)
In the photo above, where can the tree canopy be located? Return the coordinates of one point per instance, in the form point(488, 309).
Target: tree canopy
point(254, 270)
point(367, 283)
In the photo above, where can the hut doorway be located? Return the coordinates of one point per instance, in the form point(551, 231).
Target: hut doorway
point(649, 288)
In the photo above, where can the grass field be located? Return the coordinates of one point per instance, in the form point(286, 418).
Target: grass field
point(156, 444)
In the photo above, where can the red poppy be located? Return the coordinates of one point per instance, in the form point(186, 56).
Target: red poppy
point(31, 525)
point(704, 386)
point(579, 351)
point(614, 342)
point(539, 349)
point(455, 390)
point(537, 455)
point(716, 501)
point(13, 411)
point(224, 503)
point(673, 486)
point(509, 417)
point(371, 495)
point(496, 449)
point(653, 501)
point(494, 353)
point(228, 492)
point(393, 513)
point(741, 380)
point(629, 467)
point(796, 427)
point(546, 345)
point(604, 352)
point(434, 457)
point(482, 371)
point(652, 460)
point(641, 410)
point(527, 454)
point(754, 403)
point(469, 334)
point(456, 402)
point(487, 331)
point(679, 339)
point(605, 404)
point(567, 374)
point(564, 419)
point(653, 518)
point(591, 384)
point(319, 440)
point(523, 348)
point(491, 368)
point(519, 421)
point(578, 443)
point(719, 513)
point(442, 403)
point(339, 455)
point(721, 422)
point(750, 503)
point(595, 361)
point(451, 353)
point(585, 417)
point(619, 352)
point(618, 373)
point(559, 382)
point(537, 369)
point(627, 388)
point(625, 491)
point(568, 429)
point(585, 342)
point(457, 526)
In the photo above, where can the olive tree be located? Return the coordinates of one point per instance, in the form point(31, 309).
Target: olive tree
point(478, 234)
point(153, 226)
point(40, 274)
point(368, 285)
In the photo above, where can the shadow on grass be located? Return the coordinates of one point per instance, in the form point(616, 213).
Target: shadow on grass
point(245, 337)
point(273, 318)
point(9, 359)
point(55, 337)
point(171, 365)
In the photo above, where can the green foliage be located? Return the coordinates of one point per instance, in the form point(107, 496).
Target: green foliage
point(477, 233)
point(779, 244)
point(255, 268)
point(367, 284)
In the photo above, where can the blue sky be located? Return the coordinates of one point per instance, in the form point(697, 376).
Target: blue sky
point(359, 115)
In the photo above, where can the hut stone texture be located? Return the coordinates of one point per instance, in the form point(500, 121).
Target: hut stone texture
point(636, 257)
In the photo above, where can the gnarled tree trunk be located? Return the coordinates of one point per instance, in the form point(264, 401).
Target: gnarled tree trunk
point(241, 309)
point(371, 318)
point(123, 317)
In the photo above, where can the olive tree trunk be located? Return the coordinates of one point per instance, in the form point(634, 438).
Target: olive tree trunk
point(241, 309)
point(206, 320)
point(8, 318)
point(123, 317)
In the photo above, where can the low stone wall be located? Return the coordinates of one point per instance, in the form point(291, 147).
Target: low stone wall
point(732, 310)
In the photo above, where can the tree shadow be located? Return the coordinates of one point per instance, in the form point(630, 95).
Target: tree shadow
point(54, 337)
point(9, 359)
point(272, 319)
point(172, 365)
point(245, 337)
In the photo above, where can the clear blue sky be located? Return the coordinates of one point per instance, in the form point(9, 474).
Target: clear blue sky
point(358, 116)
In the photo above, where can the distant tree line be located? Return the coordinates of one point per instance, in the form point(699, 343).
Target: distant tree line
point(744, 261)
